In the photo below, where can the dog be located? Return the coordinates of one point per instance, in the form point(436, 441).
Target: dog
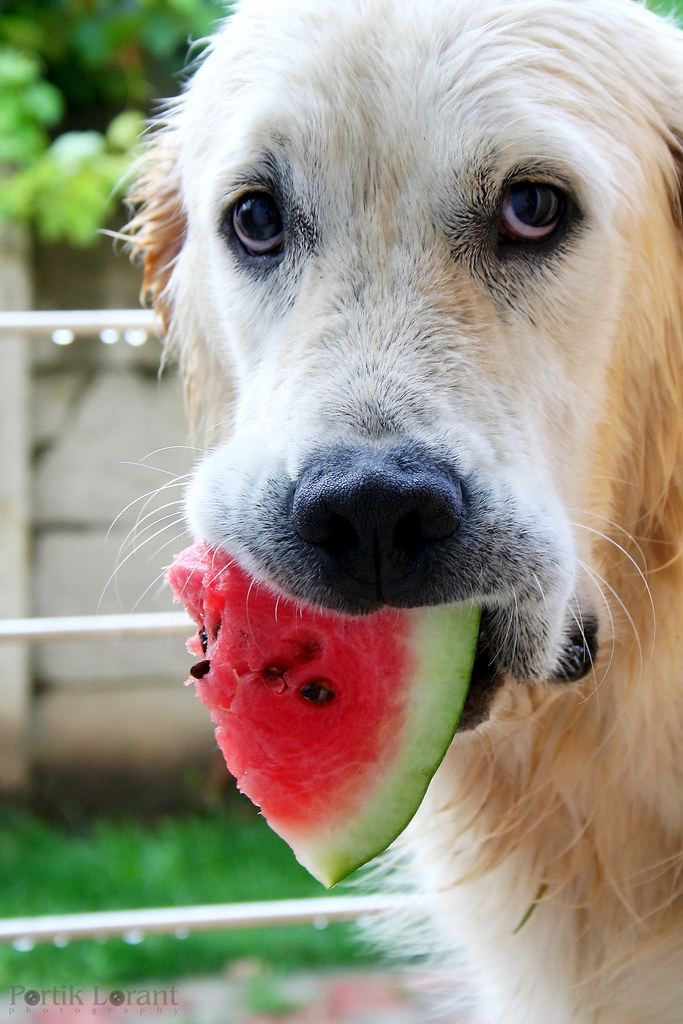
point(422, 268)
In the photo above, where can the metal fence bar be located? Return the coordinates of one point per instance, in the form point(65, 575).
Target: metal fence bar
point(182, 920)
point(95, 627)
point(80, 321)
point(83, 322)
point(24, 932)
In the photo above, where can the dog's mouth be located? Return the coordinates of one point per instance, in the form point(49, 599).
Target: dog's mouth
point(575, 660)
point(358, 528)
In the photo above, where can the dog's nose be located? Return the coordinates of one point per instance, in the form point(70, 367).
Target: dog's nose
point(376, 519)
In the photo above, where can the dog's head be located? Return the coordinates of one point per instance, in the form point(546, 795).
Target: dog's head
point(420, 265)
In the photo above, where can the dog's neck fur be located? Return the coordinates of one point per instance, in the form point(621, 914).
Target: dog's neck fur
point(567, 815)
point(570, 797)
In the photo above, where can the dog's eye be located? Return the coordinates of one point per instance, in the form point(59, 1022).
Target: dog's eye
point(257, 223)
point(531, 212)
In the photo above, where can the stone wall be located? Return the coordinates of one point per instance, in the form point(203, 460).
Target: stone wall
point(107, 449)
point(15, 293)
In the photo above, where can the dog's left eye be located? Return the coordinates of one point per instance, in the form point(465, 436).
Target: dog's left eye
point(257, 222)
point(531, 212)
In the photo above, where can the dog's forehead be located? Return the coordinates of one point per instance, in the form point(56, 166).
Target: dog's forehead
point(428, 104)
point(351, 53)
point(332, 79)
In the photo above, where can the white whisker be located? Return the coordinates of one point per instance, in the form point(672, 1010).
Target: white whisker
point(138, 531)
point(180, 481)
point(160, 577)
point(154, 518)
point(616, 526)
point(153, 529)
point(597, 580)
point(113, 578)
point(639, 571)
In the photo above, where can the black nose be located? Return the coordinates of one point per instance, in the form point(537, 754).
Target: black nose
point(376, 521)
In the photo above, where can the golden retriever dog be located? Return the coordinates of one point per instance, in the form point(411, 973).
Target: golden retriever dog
point(422, 267)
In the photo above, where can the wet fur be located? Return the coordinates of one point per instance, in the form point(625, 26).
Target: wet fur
point(568, 799)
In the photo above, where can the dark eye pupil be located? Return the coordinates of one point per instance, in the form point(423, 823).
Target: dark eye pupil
point(258, 218)
point(535, 205)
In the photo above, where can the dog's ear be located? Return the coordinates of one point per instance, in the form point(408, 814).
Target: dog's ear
point(646, 408)
point(662, 51)
point(157, 230)
point(664, 517)
point(656, 384)
point(676, 148)
point(157, 233)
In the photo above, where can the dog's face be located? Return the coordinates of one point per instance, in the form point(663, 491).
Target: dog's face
point(403, 251)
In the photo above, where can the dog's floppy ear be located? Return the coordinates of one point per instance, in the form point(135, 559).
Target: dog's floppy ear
point(662, 52)
point(157, 234)
point(639, 448)
point(651, 380)
point(676, 148)
point(667, 512)
point(158, 228)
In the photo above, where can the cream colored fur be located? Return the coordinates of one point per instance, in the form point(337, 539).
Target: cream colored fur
point(568, 382)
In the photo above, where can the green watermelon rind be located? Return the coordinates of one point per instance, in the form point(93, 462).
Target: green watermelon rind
point(444, 640)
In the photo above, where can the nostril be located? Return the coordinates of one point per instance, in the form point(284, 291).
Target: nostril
point(435, 517)
point(408, 536)
point(317, 523)
point(341, 536)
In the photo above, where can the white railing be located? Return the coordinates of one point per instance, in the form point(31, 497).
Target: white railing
point(133, 925)
point(64, 325)
point(94, 627)
point(84, 321)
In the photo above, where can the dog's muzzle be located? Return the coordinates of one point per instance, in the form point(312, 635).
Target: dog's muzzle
point(396, 522)
point(400, 527)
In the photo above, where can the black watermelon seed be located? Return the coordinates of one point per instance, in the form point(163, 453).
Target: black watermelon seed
point(199, 670)
point(319, 692)
point(203, 639)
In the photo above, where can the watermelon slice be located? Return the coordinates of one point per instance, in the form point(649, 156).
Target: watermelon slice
point(332, 724)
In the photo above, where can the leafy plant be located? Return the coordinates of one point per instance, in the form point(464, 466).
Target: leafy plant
point(69, 188)
point(77, 79)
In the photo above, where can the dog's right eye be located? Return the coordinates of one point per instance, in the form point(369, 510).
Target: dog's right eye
point(257, 223)
point(531, 212)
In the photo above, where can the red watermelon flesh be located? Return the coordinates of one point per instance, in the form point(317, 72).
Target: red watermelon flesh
point(332, 724)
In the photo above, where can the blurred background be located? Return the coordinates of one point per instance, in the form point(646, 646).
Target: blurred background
point(112, 793)
point(90, 429)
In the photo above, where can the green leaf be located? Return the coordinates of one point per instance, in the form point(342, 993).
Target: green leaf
point(124, 131)
point(16, 69)
point(44, 102)
point(71, 149)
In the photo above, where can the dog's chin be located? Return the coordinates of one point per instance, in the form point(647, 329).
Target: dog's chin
point(575, 659)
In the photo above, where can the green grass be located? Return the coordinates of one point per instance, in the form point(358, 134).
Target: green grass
point(674, 7)
point(203, 858)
